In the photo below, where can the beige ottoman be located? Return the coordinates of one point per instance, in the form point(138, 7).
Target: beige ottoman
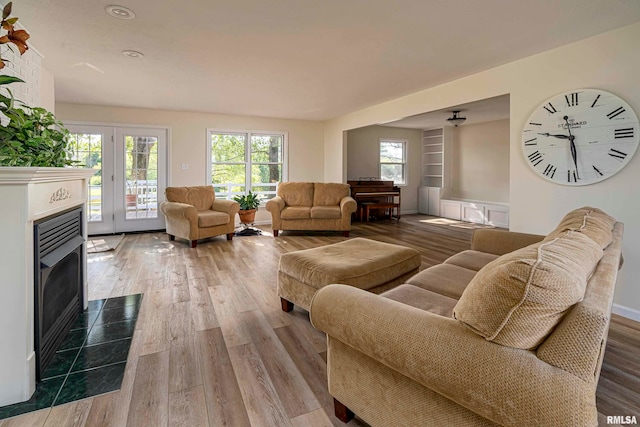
point(363, 263)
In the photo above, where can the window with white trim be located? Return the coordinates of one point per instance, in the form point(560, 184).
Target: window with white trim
point(245, 161)
point(393, 160)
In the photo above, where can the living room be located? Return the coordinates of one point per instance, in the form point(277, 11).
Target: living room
point(318, 150)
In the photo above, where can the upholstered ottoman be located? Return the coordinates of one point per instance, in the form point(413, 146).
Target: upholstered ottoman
point(363, 263)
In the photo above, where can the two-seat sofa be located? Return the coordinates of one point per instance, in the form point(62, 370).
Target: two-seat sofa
point(312, 206)
point(511, 332)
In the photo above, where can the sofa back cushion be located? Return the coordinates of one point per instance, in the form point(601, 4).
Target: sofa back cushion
point(520, 297)
point(329, 194)
point(296, 193)
point(591, 222)
point(200, 197)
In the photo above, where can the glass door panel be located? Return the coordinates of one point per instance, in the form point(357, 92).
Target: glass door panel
point(140, 178)
point(92, 146)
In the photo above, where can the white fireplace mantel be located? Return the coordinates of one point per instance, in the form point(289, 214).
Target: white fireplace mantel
point(26, 195)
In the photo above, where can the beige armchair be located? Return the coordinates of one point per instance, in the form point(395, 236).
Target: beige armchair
point(193, 213)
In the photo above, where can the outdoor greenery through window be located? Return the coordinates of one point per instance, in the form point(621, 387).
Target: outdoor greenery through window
point(393, 157)
point(247, 161)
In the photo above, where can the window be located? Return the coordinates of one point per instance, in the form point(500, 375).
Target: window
point(247, 161)
point(393, 155)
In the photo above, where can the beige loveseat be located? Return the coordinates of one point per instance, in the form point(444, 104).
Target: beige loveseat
point(312, 206)
point(511, 332)
point(194, 213)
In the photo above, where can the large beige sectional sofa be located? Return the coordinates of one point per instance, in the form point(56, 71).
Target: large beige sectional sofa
point(312, 206)
point(511, 332)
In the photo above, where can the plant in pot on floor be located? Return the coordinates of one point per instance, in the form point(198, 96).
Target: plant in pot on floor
point(249, 204)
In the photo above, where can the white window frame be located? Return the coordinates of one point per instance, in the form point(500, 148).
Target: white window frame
point(247, 155)
point(405, 145)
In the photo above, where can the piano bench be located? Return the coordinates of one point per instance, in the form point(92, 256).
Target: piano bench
point(368, 207)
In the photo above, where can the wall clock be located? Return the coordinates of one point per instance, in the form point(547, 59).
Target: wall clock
point(580, 137)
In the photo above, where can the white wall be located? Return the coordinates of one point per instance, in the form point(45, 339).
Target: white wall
point(480, 162)
point(610, 61)
point(363, 158)
point(188, 138)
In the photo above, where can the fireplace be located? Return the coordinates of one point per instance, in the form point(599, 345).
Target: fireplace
point(32, 195)
point(58, 281)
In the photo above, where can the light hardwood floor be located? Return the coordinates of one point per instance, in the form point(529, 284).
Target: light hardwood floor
point(212, 346)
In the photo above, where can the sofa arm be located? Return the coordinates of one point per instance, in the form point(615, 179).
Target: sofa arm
point(227, 206)
point(500, 242)
point(348, 206)
point(275, 206)
point(179, 211)
point(506, 385)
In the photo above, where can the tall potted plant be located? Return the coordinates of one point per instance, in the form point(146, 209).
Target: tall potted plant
point(249, 204)
point(32, 136)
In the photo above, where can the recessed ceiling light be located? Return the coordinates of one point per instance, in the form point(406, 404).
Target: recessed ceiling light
point(132, 54)
point(120, 12)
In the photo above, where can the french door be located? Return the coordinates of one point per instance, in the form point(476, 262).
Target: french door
point(130, 179)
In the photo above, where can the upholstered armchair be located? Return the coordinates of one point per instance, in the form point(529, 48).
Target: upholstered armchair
point(194, 213)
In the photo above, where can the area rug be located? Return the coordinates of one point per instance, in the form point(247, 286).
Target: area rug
point(103, 243)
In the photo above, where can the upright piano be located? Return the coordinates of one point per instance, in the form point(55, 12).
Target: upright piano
point(376, 195)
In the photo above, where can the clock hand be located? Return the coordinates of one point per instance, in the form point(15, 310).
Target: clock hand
point(574, 153)
point(554, 135)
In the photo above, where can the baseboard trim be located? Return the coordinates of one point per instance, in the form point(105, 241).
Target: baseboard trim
point(409, 212)
point(629, 313)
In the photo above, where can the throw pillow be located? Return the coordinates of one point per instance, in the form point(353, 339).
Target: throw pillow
point(517, 299)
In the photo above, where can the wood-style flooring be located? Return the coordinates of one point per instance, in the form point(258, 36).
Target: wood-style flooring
point(212, 346)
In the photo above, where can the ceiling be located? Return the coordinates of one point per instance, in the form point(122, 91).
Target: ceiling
point(299, 59)
point(486, 110)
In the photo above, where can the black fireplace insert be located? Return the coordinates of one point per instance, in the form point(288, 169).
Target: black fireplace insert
point(58, 281)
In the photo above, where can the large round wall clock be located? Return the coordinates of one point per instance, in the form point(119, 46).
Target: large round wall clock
point(580, 137)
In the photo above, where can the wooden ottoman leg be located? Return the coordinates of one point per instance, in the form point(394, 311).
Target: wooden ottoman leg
point(172, 237)
point(287, 306)
point(230, 236)
point(343, 413)
point(194, 243)
point(275, 233)
point(346, 233)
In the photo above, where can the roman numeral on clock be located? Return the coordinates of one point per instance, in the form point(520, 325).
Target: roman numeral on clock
point(572, 100)
point(616, 112)
point(530, 142)
point(594, 102)
point(535, 124)
point(535, 158)
point(597, 170)
point(572, 176)
point(617, 154)
point(550, 108)
point(623, 133)
point(550, 170)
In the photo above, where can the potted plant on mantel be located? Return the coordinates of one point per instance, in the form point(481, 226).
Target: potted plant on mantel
point(249, 204)
point(33, 137)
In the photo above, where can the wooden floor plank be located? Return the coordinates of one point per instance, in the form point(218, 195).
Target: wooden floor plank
point(102, 410)
point(264, 408)
point(222, 393)
point(149, 400)
point(72, 414)
point(187, 408)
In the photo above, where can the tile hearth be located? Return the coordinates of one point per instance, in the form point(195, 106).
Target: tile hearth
point(92, 358)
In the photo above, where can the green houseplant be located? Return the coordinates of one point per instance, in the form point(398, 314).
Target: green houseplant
point(249, 204)
point(31, 136)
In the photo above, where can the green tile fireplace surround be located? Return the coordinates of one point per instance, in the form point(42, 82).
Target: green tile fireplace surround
point(92, 358)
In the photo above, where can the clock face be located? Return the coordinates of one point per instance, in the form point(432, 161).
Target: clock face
point(580, 137)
